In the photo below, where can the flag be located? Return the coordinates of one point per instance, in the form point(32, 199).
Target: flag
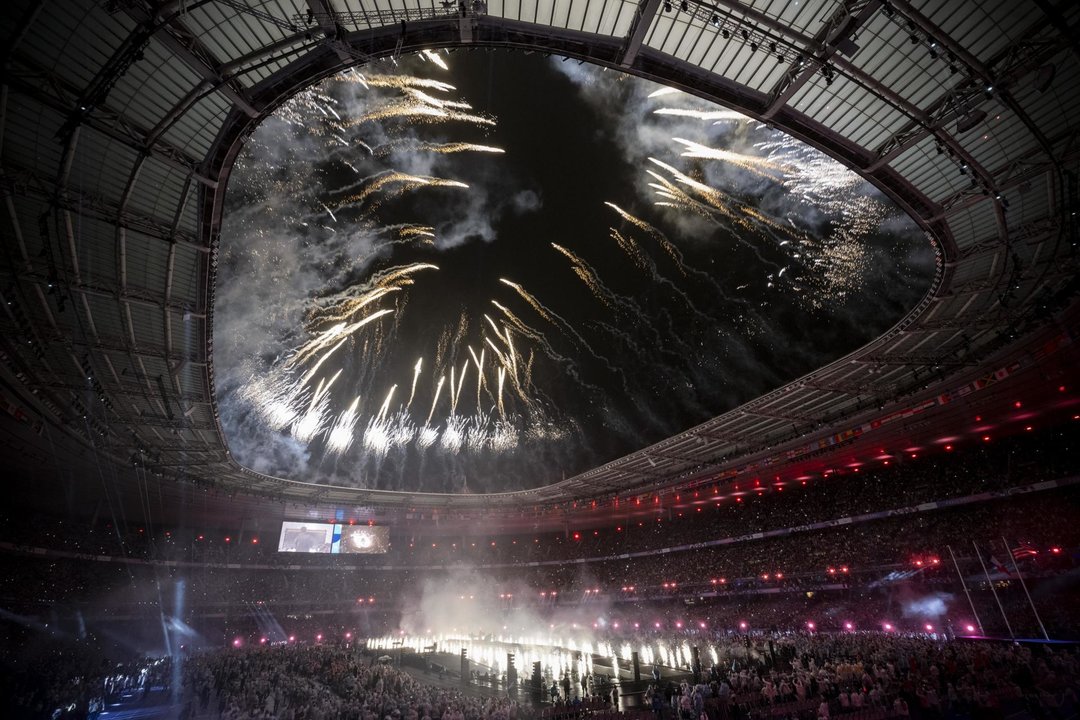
point(1023, 550)
point(999, 566)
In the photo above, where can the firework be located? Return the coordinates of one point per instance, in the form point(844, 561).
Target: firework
point(340, 438)
point(664, 91)
point(716, 115)
point(416, 376)
point(587, 275)
point(434, 57)
point(440, 148)
point(527, 297)
point(435, 400)
point(758, 165)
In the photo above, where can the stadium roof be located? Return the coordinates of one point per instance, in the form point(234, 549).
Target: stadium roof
point(120, 119)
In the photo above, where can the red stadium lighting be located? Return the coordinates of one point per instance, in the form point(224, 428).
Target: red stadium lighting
point(810, 625)
point(742, 625)
point(318, 637)
point(948, 448)
point(929, 627)
point(1017, 405)
point(657, 625)
point(577, 536)
point(1028, 428)
point(200, 537)
point(615, 625)
point(969, 628)
point(678, 624)
point(888, 627)
point(228, 539)
point(701, 625)
point(779, 576)
point(254, 541)
point(848, 626)
point(636, 626)
point(292, 638)
point(348, 636)
point(1055, 550)
point(262, 641)
point(986, 438)
point(843, 568)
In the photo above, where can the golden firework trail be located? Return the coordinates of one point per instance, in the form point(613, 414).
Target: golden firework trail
point(701, 114)
point(462, 328)
point(401, 82)
point(512, 353)
point(507, 365)
point(663, 91)
point(415, 377)
point(502, 380)
point(309, 425)
point(419, 112)
point(341, 436)
point(342, 307)
point(453, 386)
point(629, 246)
point(416, 233)
point(341, 329)
point(498, 353)
point(423, 97)
point(586, 273)
point(310, 373)
point(657, 235)
point(479, 373)
point(441, 347)
point(386, 403)
point(435, 147)
point(527, 297)
point(460, 385)
point(640, 224)
point(434, 57)
point(517, 322)
point(435, 400)
point(757, 165)
point(399, 183)
point(494, 327)
point(408, 109)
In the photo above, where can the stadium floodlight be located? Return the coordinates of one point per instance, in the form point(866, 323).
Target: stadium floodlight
point(969, 120)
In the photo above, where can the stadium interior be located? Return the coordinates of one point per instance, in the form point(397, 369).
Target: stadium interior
point(894, 533)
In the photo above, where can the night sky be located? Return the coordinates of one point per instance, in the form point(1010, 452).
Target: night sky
point(733, 260)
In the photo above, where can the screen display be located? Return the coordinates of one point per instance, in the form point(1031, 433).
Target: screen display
point(307, 537)
point(365, 539)
point(333, 538)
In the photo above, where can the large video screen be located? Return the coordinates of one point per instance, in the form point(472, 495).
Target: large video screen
point(332, 538)
point(365, 539)
point(308, 537)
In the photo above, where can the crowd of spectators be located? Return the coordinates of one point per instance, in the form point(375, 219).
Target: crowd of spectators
point(324, 682)
point(638, 524)
point(780, 674)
